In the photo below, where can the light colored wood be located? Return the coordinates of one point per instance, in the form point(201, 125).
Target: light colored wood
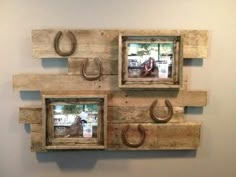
point(195, 43)
point(144, 97)
point(30, 115)
point(35, 82)
point(104, 43)
point(171, 136)
point(78, 147)
point(38, 82)
point(75, 66)
point(75, 141)
point(137, 114)
point(36, 127)
point(36, 136)
point(91, 43)
point(128, 114)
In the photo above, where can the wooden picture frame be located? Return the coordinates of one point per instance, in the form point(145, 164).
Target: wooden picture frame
point(150, 61)
point(74, 121)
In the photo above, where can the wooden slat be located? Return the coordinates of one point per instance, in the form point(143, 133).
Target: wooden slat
point(32, 82)
point(104, 43)
point(78, 147)
point(171, 136)
point(195, 43)
point(119, 114)
point(143, 97)
point(109, 66)
point(30, 115)
point(137, 114)
point(37, 82)
point(91, 43)
point(36, 137)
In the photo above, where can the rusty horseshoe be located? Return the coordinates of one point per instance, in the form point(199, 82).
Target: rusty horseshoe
point(93, 77)
point(57, 41)
point(159, 119)
point(142, 133)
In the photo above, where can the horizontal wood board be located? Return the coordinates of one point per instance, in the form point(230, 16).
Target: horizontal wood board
point(104, 43)
point(171, 136)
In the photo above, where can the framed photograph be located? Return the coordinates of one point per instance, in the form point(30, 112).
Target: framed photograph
point(150, 61)
point(74, 121)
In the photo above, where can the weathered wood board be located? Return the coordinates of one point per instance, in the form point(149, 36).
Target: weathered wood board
point(145, 98)
point(140, 114)
point(36, 82)
point(75, 66)
point(30, 115)
point(116, 114)
point(104, 43)
point(36, 137)
point(171, 136)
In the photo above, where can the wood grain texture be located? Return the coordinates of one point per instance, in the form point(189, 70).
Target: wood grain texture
point(30, 115)
point(171, 136)
point(38, 82)
point(104, 43)
point(143, 97)
point(36, 137)
point(109, 66)
point(137, 114)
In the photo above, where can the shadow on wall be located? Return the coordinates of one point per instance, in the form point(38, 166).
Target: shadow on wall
point(68, 160)
point(193, 62)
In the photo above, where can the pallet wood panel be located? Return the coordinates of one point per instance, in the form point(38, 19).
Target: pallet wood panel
point(104, 43)
point(171, 136)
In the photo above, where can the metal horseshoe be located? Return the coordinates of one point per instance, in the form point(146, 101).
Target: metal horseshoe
point(93, 77)
point(159, 119)
point(142, 133)
point(56, 44)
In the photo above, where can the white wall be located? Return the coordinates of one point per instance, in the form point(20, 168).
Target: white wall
point(216, 155)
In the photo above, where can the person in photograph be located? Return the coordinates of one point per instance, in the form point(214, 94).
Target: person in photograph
point(149, 67)
point(83, 115)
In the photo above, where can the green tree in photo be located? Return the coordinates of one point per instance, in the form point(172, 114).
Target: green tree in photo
point(72, 109)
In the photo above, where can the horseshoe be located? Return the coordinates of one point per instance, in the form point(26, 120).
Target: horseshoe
point(56, 44)
point(133, 145)
point(95, 77)
point(159, 119)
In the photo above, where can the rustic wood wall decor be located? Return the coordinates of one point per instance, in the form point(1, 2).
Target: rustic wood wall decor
point(148, 116)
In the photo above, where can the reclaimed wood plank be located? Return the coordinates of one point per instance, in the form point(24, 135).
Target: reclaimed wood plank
point(140, 114)
point(36, 137)
point(143, 97)
point(104, 43)
point(76, 147)
point(32, 82)
point(30, 115)
point(39, 82)
point(91, 43)
point(75, 66)
point(170, 136)
point(195, 43)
